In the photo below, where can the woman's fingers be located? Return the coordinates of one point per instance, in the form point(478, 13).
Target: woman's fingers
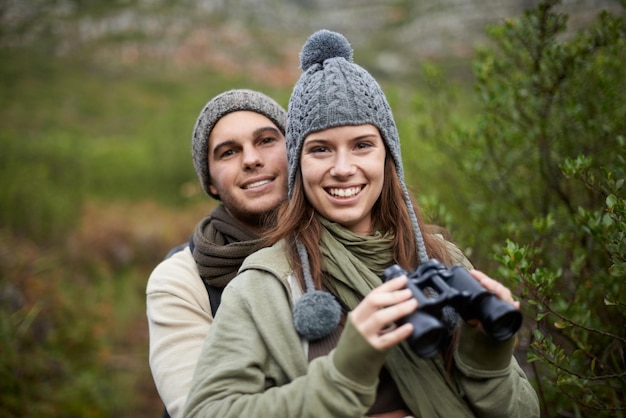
point(389, 293)
point(377, 313)
point(394, 336)
point(495, 287)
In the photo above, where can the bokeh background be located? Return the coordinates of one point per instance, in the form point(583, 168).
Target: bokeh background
point(98, 101)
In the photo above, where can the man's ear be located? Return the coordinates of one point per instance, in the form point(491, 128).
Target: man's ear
point(213, 189)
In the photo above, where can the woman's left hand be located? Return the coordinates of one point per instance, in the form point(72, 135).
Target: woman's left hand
point(495, 287)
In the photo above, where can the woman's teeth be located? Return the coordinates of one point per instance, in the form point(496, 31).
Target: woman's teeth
point(349, 192)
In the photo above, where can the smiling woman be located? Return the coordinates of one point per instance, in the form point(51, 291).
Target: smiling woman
point(324, 345)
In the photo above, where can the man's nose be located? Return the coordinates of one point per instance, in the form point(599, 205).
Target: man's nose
point(252, 158)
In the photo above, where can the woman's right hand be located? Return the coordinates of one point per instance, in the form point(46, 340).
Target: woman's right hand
point(376, 315)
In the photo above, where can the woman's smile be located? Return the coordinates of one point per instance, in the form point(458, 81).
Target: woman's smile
point(344, 193)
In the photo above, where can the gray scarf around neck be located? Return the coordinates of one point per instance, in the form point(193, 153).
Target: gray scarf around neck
point(220, 244)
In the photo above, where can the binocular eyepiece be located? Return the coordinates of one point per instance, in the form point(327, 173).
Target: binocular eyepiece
point(436, 286)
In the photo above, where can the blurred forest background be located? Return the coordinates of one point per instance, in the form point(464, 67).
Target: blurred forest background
point(513, 122)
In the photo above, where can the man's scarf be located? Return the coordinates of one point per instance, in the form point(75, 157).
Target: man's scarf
point(220, 244)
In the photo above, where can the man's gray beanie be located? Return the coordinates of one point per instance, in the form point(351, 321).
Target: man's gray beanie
point(218, 107)
point(334, 91)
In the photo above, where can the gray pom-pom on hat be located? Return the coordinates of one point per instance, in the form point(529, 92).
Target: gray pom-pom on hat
point(333, 91)
point(324, 45)
point(218, 107)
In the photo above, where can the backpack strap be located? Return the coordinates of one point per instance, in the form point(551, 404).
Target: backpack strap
point(215, 293)
point(215, 297)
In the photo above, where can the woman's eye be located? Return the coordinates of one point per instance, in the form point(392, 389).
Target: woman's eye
point(364, 144)
point(318, 149)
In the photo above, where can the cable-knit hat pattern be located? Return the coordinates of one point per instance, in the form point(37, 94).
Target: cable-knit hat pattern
point(218, 107)
point(334, 91)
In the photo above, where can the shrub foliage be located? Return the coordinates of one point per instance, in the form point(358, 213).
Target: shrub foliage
point(547, 153)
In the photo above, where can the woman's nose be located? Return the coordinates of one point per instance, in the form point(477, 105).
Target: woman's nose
point(343, 166)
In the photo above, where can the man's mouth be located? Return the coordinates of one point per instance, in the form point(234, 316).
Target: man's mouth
point(344, 192)
point(256, 184)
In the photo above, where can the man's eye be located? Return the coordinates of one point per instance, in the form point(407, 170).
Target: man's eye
point(227, 153)
point(268, 140)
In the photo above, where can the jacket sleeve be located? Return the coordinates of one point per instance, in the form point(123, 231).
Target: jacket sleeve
point(493, 382)
point(253, 363)
point(179, 316)
point(490, 377)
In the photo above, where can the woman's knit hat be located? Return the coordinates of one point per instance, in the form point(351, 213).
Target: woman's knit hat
point(218, 107)
point(334, 91)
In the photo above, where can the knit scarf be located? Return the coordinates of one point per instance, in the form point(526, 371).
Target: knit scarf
point(353, 266)
point(220, 246)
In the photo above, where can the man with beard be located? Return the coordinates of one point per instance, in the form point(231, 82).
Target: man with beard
point(238, 148)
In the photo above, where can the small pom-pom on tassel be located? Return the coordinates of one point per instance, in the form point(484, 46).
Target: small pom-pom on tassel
point(316, 315)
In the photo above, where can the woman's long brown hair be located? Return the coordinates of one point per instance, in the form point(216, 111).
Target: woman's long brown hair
point(296, 219)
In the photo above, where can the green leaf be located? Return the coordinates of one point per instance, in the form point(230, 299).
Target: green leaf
point(611, 200)
point(562, 324)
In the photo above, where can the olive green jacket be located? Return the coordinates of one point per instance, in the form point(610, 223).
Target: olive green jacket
point(254, 363)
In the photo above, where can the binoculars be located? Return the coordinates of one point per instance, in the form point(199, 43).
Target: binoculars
point(436, 286)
